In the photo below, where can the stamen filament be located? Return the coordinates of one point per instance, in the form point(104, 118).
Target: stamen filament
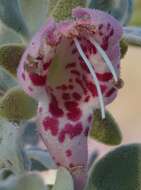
point(93, 75)
point(105, 58)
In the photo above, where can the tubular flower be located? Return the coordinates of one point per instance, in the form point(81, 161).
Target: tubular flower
point(72, 68)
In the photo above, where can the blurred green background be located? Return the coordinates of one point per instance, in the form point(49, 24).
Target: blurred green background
point(136, 19)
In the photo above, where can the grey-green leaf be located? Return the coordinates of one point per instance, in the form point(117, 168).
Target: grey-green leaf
point(28, 181)
point(64, 180)
point(11, 154)
point(41, 156)
point(35, 13)
point(10, 56)
point(16, 105)
point(118, 170)
point(7, 81)
point(11, 15)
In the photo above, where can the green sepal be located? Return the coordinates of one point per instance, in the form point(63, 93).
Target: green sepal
point(105, 130)
point(16, 105)
point(118, 170)
point(10, 56)
point(123, 48)
point(63, 9)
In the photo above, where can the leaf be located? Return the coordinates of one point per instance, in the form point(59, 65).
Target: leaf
point(64, 180)
point(30, 135)
point(121, 10)
point(28, 181)
point(123, 48)
point(93, 158)
point(5, 173)
point(132, 35)
point(16, 105)
point(35, 13)
point(41, 156)
point(63, 9)
point(11, 16)
point(6, 81)
point(10, 55)
point(118, 170)
point(7, 35)
point(106, 130)
point(51, 5)
point(11, 154)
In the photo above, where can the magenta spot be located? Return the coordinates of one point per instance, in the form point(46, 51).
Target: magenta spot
point(84, 66)
point(71, 165)
point(30, 88)
point(104, 76)
point(66, 96)
point(40, 109)
point(75, 114)
point(74, 51)
point(104, 44)
point(75, 72)
point(58, 164)
point(110, 92)
point(90, 118)
point(37, 80)
point(68, 153)
point(92, 88)
point(51, 124)
point(23, 76)
point(71, 105)
point(87, 99)
point(46, 65)
point(70, 130)
point(86, 132)
point(100, 26)
point(71, 87)
point(70, 80)
point(54, 109)
point(111, 33)
point(70, 65)
point(78, 81)
point(76, 96)
point(62, 87)
point(62, 136)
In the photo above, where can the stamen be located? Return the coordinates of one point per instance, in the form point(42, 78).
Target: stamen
point(93, 75)
point(105, 57)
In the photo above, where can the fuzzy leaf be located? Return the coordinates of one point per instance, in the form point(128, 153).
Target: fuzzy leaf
point(118, 170)
point(41, 156)
point(121, 10)
point(30, 135)
point(16, 105)
point(10, 55)
point(64, 180)
point(11, 15)
point(106, 130)
point(5, 173)
point(28, 181)
point(11, 154)
point(6, 81)
point(63, 8)
point(132, 35)
point(35, 13)
point(7, 35)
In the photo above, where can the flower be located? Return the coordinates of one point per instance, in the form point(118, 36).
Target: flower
point(72, 68)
